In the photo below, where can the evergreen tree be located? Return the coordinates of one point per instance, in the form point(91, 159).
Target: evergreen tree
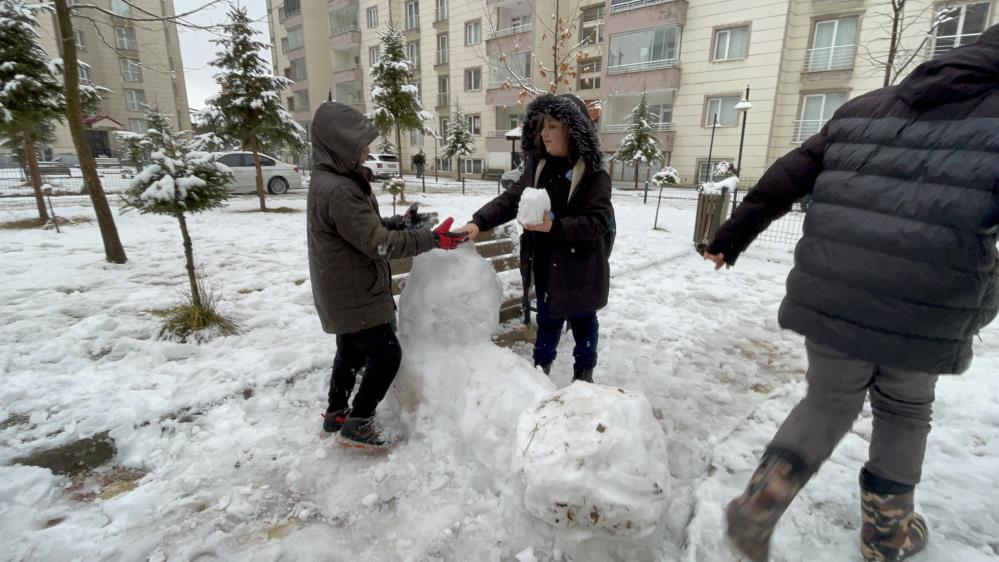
point(180, 181)
point(394, 95)
point(459, 141)
point(31, 97)
point(249, 110)
point(640, 146)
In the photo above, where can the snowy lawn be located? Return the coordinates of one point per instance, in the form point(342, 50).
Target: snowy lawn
point(225, 435)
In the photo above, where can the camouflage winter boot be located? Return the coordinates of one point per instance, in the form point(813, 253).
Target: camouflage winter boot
point(751, 517)
point(892, 530)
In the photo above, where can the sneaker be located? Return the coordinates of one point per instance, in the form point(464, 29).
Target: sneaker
point(584, 375)
point(363, 433)
point(333, 419)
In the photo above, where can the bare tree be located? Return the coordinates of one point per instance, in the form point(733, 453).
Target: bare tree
point(897, 27)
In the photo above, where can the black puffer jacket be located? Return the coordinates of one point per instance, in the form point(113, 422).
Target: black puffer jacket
point(579, 274)
point(898, 262)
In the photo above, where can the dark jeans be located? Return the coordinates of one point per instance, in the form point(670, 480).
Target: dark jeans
point(902, 403)
point(419, 171)
point(377, 350)
point(584, 330)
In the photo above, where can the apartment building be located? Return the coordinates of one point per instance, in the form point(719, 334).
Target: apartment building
point(800, 59)
point(139, 62)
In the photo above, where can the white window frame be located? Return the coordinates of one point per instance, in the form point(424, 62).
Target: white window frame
point(138, 125)
point(473, 32)
point(718, 101)
point(650, 63)
point(83, 71)
point(592, 18)
point(131, 70)
point(804, 129)
point(135, 99)
point(473, 79)
point(726, 33)
point(468, 165)
point(592, 75)
point(296, 39)
point(371, 17)
point(474, 123)
point(441, 10)
point(961, 38)
point(374, 53)
point(443, 47)
point(413, 53)
point(443, 91)
point(412, 14)
point(81, 39)
point(121, 8)
point(834, 56)
point(124, 38)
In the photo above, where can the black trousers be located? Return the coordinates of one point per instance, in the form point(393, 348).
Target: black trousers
point(377, 351)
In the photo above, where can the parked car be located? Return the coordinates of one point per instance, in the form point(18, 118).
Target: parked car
point(279, 176)
point(382, 165)
point(511, 177)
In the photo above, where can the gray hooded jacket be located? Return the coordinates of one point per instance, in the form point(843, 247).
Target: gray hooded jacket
point(349, 244)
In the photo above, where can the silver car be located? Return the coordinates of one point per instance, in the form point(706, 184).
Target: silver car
point(279, 176)
point(511, 177)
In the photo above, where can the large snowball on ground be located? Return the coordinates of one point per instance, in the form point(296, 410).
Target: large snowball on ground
point(534, 203)
point(593, 458)
point(453, 295)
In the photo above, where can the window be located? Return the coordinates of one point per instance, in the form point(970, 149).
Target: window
point(643, 50)
point(474, 123)
point(440, 12)
point(473, 79)
point(444, 164)
point(372, 16)
point(121, 8)
point(473, 32)
point(231, 160)
point(292, 8)
point(472, 166)
point(443, 88)
point(350, 92)
point(296, 70)
point(442, 47)
point(517, 67)
point(592, 25)
point(264, 161)
point(81, 40)
point(816, 109)
point(704, 170)
point(138, 126)
point(444, 122)
point(135, 99)
point(832, 45)
point(660, 114)
point(412, 15)
point(124, 38)
point(415, 137)
point(589, 74)
point(84, 72)
point(724, 108)
point(130, 70)
point(343, 20)
point(963, 27)
point(513, 120)
point(301, 98)
point(520, 23)
point(295, 40)
point(731, 43)
point(413, 53)
point(374, 53)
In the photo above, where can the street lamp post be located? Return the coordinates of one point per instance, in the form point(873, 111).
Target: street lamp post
point(436, 160)
point(742, 107)
point(711, 146)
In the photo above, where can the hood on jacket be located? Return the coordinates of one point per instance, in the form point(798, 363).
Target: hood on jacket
point(339, 135)
point(585, 144)
point(959, 74)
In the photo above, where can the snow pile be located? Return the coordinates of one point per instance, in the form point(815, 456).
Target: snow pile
point(593, 458)
point(726, 185)
point(534, 203)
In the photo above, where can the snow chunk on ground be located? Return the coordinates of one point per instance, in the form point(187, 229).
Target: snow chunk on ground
point(534, 203)
point(715, 188)
point(593, 458)
point(453, 295)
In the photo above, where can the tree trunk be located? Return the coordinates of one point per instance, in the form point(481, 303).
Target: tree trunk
point(398, 149)
point(113, 250)
point(36, 178)
point(896, 6)
point(636, 175)
point(259, 173)
point(189, 256)
point(459, 168)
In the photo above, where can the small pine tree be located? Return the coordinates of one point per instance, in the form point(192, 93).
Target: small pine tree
point(459, 140)
point(31, 92)
point(131, 147)
point(640, 146)
point(666, 177)
point(249, 110)
point(394, 95)
point(177, 182)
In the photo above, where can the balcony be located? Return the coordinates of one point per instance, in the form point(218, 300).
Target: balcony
point(441, 58)
point(440, 15)
point(508, 31)
point(823, 59)
point(641, 66)
point(348, 74)
point(805, 129)
point(623, 127)
point(443, 100)
point(944, 43)
point(633, 4)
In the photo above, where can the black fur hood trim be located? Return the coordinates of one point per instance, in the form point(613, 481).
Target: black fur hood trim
point(584, 135)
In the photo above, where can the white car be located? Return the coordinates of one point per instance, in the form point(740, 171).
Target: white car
point(382, 165)
point(279, 176)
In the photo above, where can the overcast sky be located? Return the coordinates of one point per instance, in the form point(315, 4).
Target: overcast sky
point(197, 50)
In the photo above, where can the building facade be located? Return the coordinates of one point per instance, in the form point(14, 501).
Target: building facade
point(800, 59)
point(139, 62)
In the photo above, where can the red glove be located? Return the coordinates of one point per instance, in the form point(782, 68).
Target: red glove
point(447, 240)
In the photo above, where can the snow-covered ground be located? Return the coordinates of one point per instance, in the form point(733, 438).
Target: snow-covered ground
point(227, 432)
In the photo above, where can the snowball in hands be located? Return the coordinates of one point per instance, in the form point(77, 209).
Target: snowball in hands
point(534, 203)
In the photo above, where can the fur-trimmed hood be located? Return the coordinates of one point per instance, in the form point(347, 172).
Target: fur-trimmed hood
point(583, 132)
